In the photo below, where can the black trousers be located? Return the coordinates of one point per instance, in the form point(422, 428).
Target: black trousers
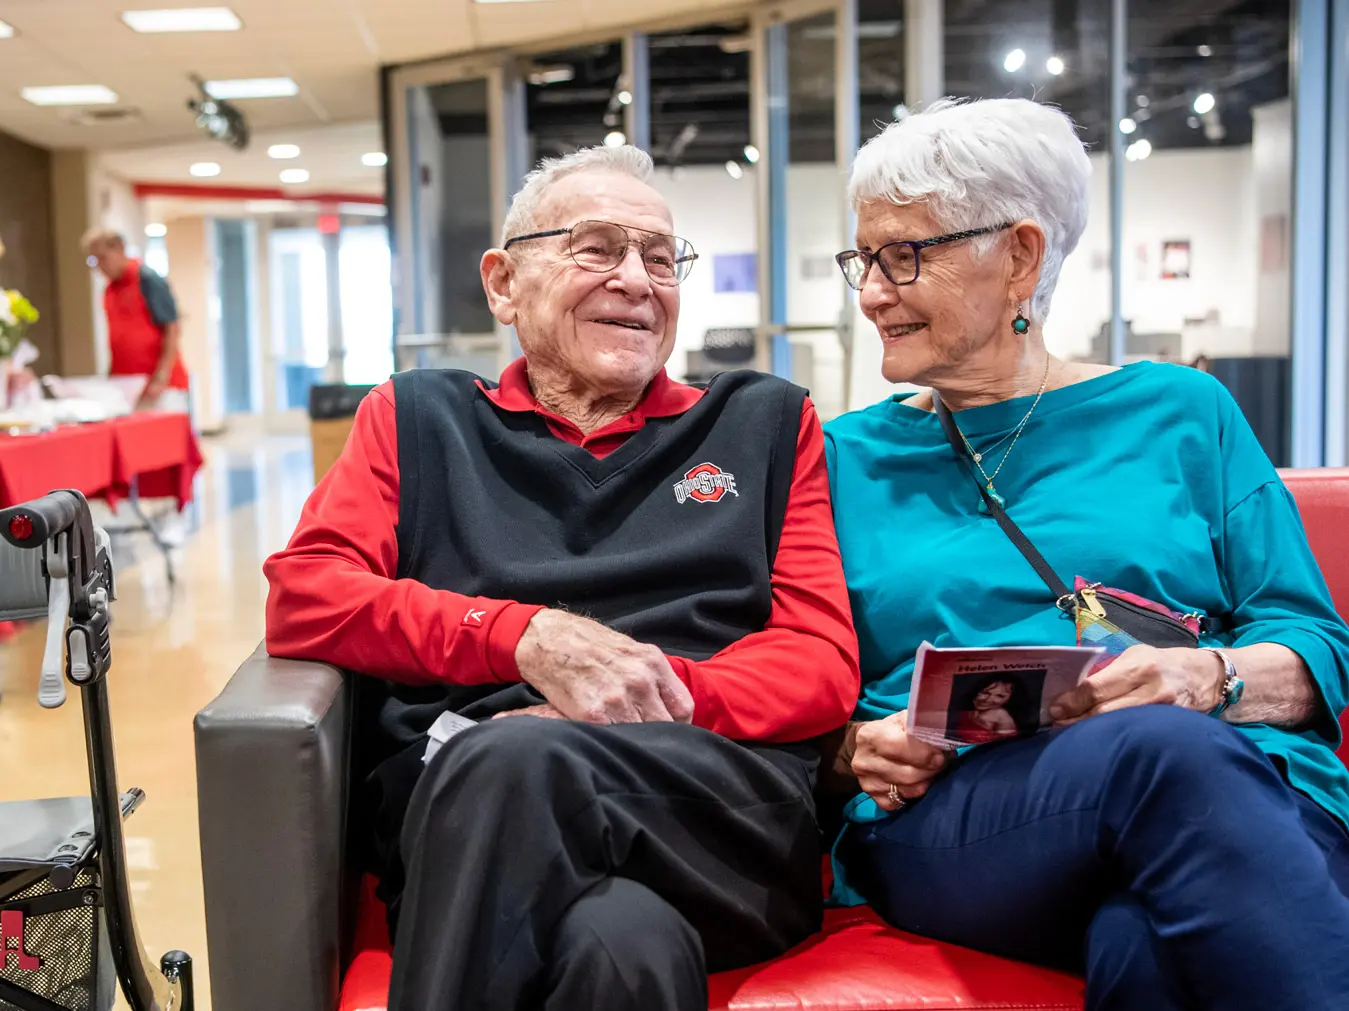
point(567, 867)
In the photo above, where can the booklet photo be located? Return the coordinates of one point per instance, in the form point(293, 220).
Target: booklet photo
point(974, 696)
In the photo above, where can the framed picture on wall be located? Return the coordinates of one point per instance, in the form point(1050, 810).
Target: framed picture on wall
point(734, 272)
point(1176, 260)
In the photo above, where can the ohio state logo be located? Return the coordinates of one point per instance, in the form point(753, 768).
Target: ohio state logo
point(705, 483)
point(12, 942)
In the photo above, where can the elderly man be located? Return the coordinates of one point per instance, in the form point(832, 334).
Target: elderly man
point(633, 584)
point(143, 328)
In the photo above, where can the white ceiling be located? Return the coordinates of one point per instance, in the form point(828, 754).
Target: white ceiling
point(333, 48)
point(331, 155)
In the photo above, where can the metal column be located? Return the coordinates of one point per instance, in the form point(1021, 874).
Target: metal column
point(778, 156)
point(1311, 66)
point(1119, 87)
point(924, 54)
point(1337, 243)
point(637, 75)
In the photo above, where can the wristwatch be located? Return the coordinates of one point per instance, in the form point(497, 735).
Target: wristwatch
point(1232, 687)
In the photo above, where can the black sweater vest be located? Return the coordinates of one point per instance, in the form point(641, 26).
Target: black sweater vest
point(670, 539)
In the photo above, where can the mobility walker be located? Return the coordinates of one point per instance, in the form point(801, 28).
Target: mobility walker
point(67, 930)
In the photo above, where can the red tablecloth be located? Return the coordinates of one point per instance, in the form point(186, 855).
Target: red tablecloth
point(101, 459)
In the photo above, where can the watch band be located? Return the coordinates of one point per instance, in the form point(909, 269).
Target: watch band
point(1232, 687)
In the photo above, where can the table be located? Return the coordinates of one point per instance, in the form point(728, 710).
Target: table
point(147, 454)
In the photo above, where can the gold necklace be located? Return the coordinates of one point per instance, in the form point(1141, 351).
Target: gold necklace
point(1015, 434)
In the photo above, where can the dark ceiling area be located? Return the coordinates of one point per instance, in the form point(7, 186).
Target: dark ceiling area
point(1237, 51)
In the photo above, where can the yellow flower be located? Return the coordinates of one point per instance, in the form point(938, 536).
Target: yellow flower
point(22, 309)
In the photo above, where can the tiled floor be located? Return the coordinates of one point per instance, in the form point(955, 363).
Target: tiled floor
point(173, 650)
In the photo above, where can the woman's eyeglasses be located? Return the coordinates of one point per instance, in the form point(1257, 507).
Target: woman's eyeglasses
point(899, 261)
point(601, 245)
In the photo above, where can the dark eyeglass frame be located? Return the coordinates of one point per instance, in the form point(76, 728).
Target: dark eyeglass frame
point(643, 237)
point(917, 245)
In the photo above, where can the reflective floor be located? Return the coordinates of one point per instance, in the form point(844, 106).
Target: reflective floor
point(173, 650)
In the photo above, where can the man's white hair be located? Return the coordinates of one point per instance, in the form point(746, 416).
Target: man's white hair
point(981, 163)
point(624, 160)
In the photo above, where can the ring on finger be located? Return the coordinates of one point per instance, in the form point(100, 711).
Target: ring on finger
point(893, 795)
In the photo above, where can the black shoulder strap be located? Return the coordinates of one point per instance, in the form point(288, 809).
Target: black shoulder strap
point(1013, 532)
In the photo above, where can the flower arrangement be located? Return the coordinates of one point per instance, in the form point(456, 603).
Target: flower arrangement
point(17, 314)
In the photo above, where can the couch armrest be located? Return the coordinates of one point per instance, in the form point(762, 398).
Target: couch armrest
point(272, 755)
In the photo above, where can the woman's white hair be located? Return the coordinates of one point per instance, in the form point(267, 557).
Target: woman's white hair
point(981, 163)
point(623, 160)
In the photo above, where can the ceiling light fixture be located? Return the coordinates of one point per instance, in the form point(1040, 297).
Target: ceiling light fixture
point(70, 94)
point(625, 98)
point(734, 170)
point(1193, 122)
point(294, 176)
point(189, 19)
point(1127, 125)
point(281, 152)
point(1205, 51)
point(1143, 101)
point(253, 87)
point(1138, 150)
point(6, 30)
point(374, 159)
point(552, 75)
point(615, 138)
point(1204, 103)
point(1014, 61)
point(204, 170)
point(1055, 65)
point(751, 154)
point(156, 231)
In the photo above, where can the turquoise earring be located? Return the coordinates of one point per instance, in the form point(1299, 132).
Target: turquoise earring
point(1020, 325)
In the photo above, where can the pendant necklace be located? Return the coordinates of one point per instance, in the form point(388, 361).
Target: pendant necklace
point(1014, 435)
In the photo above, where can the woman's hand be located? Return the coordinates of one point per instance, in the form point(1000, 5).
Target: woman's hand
point(1145, 676)
point(887, 756)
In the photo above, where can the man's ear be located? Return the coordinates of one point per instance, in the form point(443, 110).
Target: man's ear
point(498, 273)
point(1028, 254)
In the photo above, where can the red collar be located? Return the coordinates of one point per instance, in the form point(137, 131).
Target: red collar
point(663, 398)
point(131, 273)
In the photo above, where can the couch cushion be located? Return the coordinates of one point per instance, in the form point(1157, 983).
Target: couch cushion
point(855, 964)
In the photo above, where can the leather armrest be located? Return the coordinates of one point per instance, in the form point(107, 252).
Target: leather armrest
point(272, 757)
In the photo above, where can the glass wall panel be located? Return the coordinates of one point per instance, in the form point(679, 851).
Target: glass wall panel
point(574, 98)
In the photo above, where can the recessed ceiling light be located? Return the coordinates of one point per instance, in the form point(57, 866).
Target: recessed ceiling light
point(751, 154)
point(374, 159)
point(253, 87)
point(6, 30)
point(205, 170)
point(552, 75)
point(1205, 50)
point(1054, 65)
point(283, 151)
point(1014, 61)
point(625, 97)
point(1138, 150)
point(70, 94)
point(1127, 125)
point(615, 138)
point(734, 170)
point(1204, 103)
point(156, 231)
point(190, 19)
point(295, 176)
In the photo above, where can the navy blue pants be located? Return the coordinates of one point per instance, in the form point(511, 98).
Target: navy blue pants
point(1156, 850)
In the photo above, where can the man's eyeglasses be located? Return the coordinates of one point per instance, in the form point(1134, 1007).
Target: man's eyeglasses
point(899, 260)
point(601, 245)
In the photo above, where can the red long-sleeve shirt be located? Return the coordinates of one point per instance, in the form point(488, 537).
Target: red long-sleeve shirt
point(334, 596)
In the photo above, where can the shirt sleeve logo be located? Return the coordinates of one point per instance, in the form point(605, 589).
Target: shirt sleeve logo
point(705, 483)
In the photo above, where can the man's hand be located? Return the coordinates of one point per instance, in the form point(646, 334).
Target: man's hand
point(150, 395)
point(591, 673)
point(886, 755)
point(1144, 676)
point(543, 712)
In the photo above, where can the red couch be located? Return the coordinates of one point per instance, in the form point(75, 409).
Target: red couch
point(857, 963)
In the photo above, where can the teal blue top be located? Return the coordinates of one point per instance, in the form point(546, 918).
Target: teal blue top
point(1147, 479)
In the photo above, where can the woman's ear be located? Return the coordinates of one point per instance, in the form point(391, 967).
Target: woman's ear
point(498, 275)
point(1028, 253)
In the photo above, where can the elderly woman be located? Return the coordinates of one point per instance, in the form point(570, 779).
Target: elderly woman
point(1180, 834)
